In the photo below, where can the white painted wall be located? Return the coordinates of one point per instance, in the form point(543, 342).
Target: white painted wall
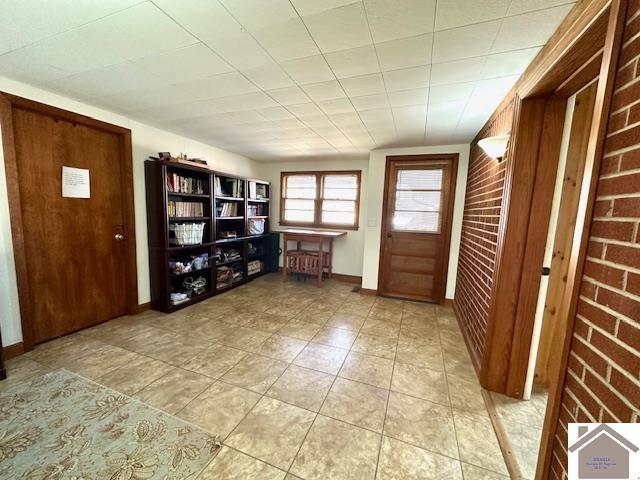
point(347, 256)
point(375, 193)
point(146, 140)
point(358, 252)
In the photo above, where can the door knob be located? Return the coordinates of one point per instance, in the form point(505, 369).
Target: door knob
point(389, 235)
point(119, 236)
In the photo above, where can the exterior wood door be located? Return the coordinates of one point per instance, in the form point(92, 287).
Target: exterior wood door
point(75, 249)
point(416, 228)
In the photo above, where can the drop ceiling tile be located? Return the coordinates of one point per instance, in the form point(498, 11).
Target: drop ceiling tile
point(206, 19)
point(304, 109)
point(240, 49)
point(245, 101)
point(523, 6)
point(288, 95)
point(255, 15)
point(377, 118)
point(20, 65)
point(464, 42)
point(309, 7)
point(407, 79)
point(339, 28)
point(316, 121)
point(508, 63)
point(530, 29)
point(106, 81)
point(269, 76)
point(308, 70)
point(275, 113)
point(405, 52)
point(286, 41)
point(353, 62)
point(27, 22)
point(393, 19)
point(142, 98)
point(369, 102)
point(324, 90)
point(407, 98)
point(140, 31)
point(340, 105)
point(363, 85)
point(330, 131)
point(449, 93)
point(445, 114)
point(466, 70)
point(457, 13)
point(487, 94)
point(223, 85)
point(193, 61)
point(347, 120)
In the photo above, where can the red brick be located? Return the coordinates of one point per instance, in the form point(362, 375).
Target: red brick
point(625, 96)
point(621, 304)
point(607, 397)
point(623, 357)
point(633, 283)
point(602, 208)
point(630, 160)
point(631, 51)
point(626, 207)
point(597, 316)
point(634, 115)
point(625, 387)
point(624, 76)
point(630, 335)
point(589, 357)
point(610, 165)
point(588, 290)
point(595, 249)
point(614, 230)
point(623, 255)
point(629, 183)
point(618, 120)
point(604, 274)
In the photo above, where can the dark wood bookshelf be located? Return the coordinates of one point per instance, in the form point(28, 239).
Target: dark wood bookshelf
point(163, 250)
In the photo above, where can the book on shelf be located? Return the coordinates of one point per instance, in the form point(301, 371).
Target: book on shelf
point(180, 184)
point(185, 209)
point(227, 209)
point(229, 187)
point(256, 210)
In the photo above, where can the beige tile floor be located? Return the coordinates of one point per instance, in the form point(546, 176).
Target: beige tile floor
point(300, 382)
point(522, 422)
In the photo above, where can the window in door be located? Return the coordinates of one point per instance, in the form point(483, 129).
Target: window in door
point(418, 201)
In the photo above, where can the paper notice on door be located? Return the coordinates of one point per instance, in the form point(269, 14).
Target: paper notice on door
point(75, 182)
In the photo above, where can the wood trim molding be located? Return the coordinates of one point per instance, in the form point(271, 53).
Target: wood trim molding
point(347, 278)
point(368, 291)
point(13, 351)
point(7, 103)
point(141, 308)
point(518, 193)
point(568, 308)
point(546, 169)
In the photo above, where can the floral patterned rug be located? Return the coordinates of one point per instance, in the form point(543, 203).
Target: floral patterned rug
point(62, 426)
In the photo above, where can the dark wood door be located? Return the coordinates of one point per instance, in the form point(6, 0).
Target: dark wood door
point(416, 226)
point(74, 247)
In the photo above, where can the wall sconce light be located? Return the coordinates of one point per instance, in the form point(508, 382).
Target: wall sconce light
point(495, 147)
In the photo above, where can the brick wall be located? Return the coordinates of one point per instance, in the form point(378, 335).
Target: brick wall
point(483, 202)
point(602, 382)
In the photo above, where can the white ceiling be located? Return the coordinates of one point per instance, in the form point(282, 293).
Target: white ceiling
point(277, 79)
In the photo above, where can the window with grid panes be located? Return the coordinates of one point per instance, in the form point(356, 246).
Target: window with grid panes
point(320, 199)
